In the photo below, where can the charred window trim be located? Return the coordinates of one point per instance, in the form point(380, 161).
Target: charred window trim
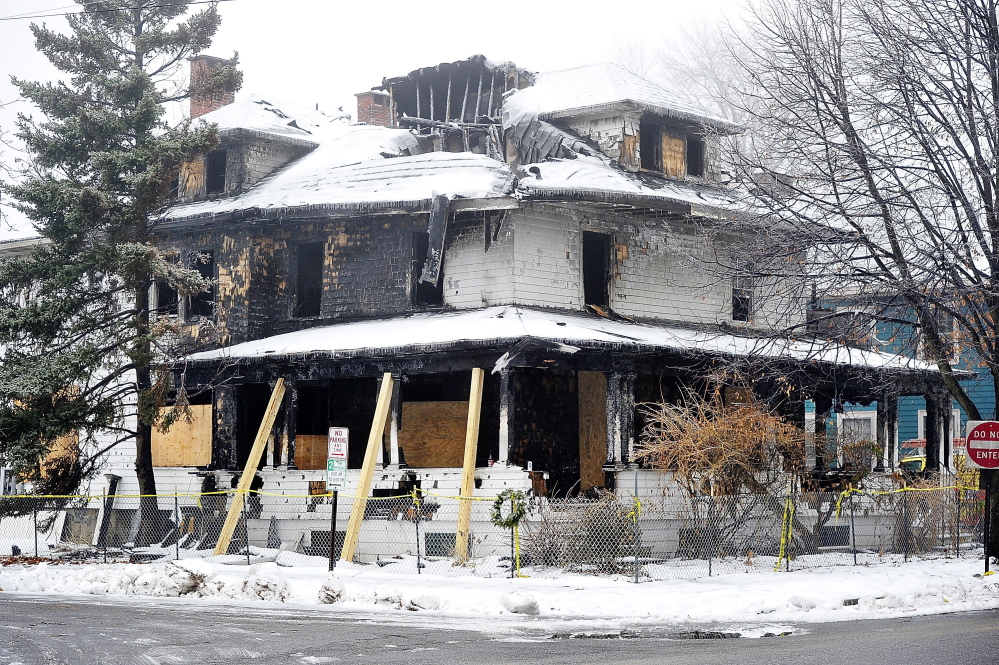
point(650, 145)
point(167, 298)
point(695, 156)
point(202, 304)
point(424, 294)
point(596, 267)
point(310, 270)
point(215, 167)
point(743, 289)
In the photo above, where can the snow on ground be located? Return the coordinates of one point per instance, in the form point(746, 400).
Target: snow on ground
point(834, 593)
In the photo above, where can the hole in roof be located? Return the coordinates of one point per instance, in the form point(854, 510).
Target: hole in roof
point(560, 323)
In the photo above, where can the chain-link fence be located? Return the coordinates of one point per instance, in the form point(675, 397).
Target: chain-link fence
point(666, 538)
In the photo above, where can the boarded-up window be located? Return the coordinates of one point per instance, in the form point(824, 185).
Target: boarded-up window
point(311, 451)
point(63, 455)
point(432, 434)
point(185, 443)
point(674, 156)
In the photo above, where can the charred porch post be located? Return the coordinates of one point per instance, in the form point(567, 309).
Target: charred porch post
point(823, 409)
point(290, 424)
point(887, 415)
point(224, 435)
point(506, 415)
point(620, 424)
point(395, 415)
point(937, 431)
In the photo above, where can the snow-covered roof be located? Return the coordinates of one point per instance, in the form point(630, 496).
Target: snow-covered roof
point(505, 325)
point(276, 119)
point(364, 164)
point(593, 89)
point(592, 177)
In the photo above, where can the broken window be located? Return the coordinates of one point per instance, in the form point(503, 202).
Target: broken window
point(650, 139)
point(309, 280)
point(215, 172)
point(425, 294)
point(596, 259)
point(202, 304)
point(695, 157)
point(166, 298)
point(742, 299)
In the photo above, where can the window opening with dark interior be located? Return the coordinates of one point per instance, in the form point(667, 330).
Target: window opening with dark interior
point(309, 280)
point(742, 299)
point(202, 304)
point(215, 172)
point(166, 299)
point(650, 139)
point(596, 260)
point(425, 294)
point(695, 157)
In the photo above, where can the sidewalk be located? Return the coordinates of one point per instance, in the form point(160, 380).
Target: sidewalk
point(835, 593)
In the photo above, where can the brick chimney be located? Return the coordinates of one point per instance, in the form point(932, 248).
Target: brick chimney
point(202, 67)
point(374, 107)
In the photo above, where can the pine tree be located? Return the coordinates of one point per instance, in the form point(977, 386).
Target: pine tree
point(77, 350)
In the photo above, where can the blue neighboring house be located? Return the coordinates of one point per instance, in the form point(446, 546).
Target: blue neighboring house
point(893, 330)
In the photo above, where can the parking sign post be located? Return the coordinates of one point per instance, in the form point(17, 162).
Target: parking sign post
point(336, 477)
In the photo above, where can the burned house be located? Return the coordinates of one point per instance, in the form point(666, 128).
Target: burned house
point(560, 231)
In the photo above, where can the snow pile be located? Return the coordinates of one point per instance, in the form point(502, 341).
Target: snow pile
point(519, 603)
point(815, 595)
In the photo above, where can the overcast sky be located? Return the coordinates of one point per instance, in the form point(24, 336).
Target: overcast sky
point(322, 51)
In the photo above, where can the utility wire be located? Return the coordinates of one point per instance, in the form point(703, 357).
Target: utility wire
point(18, 17)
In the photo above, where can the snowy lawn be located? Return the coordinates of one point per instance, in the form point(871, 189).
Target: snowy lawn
point(835, 593)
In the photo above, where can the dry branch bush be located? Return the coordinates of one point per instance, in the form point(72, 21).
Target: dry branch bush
point(714, 448)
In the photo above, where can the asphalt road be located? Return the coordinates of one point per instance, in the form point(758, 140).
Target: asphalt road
point(50, 630)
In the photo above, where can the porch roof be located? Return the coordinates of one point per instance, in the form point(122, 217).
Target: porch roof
point(505, 325)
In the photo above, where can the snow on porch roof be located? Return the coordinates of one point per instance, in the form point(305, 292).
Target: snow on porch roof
point(506, 325)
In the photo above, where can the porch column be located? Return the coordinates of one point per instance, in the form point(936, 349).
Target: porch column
point(887, 415)
point(506, 414)
point(932, 432)
point(620, 423)
point(395, 415)
point(628, 420)
point(823, 407)
point(290, 420)
point(224, 431)
point(291, 423)
point(938, 431)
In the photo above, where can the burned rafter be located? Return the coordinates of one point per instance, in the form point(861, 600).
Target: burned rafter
point(491, 81)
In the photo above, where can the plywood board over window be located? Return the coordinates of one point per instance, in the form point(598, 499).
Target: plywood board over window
point(433, 433)
point(185, 443)
point(592, 428)
point(674, 156)
point(311, 451)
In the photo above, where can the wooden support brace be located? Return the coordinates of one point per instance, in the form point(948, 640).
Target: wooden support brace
point(468, 468)
point(250, 470)
point(368, 468)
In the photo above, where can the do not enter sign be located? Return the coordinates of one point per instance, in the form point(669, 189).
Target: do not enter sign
point(983, 444)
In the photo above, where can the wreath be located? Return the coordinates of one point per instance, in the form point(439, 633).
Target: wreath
point(516, 512)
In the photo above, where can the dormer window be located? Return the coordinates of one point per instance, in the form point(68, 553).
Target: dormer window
point(215, 172)
point(661, 150)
